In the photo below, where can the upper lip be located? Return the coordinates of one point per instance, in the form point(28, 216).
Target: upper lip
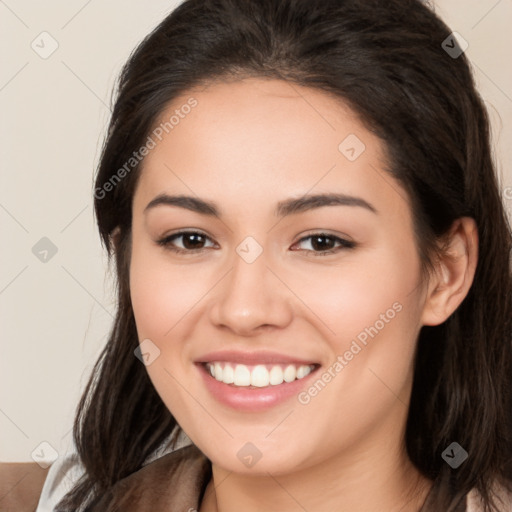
point(251, 358)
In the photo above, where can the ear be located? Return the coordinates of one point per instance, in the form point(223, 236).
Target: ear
point(454, 272)
point(114, 237)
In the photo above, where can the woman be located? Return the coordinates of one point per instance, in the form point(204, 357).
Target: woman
point(313, 269)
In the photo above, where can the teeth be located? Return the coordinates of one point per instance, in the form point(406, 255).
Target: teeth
point(228, 375)
point(242, 376)
point(218, 371)
point(276, 375)
point(301, 372)
point(290, 373)
point(259, 376)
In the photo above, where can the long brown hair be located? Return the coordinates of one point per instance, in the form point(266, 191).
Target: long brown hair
point(387, 61)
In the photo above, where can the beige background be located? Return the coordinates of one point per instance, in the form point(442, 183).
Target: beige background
point(55, 316)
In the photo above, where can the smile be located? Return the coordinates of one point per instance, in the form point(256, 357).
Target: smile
point(257, 376)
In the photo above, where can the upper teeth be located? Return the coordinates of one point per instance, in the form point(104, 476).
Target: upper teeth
point(260, 375)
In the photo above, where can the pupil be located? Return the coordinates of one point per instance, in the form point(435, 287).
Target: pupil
point(318, 242)
point(193, 236)
point(319, 245)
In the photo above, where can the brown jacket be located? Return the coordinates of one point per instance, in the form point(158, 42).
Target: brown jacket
point(173, 483)
point(176, 483)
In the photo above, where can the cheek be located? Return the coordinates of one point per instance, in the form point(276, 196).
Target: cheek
point(162, 294)
point(166, 300)
point(161, 297)
point(351, 297)
point(369, 312)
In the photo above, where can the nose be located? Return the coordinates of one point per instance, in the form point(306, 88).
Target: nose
point(251, 298)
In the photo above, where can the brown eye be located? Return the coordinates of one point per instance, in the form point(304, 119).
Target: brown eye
point(192, 242)
point(324, 244)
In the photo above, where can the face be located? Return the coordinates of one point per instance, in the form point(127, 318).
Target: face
point(306, 311)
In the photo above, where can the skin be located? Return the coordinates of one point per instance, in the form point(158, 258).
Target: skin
point(246, 146)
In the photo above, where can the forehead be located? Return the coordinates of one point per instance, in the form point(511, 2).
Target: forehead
point(253, 139)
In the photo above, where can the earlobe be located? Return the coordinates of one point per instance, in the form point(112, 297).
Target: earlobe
point(454, 273)
point(114, 238)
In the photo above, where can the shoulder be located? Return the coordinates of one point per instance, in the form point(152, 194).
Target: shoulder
point(62, 476)
point(66, 471)
point(502, 494)
point(173, 482)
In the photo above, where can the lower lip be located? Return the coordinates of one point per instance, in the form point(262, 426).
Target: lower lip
point(253, 399)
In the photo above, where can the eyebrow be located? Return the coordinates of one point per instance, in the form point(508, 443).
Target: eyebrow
point(287, 207)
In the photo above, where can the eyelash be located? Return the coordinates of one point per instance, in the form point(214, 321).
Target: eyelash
point(166, 242)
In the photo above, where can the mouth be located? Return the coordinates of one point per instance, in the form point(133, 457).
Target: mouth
point(257, 376)
point(254, 381)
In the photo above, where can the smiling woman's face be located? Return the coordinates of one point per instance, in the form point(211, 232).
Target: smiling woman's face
point(257, 294)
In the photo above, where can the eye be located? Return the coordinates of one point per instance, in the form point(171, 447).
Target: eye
point(192, 242)
point(323, 244)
